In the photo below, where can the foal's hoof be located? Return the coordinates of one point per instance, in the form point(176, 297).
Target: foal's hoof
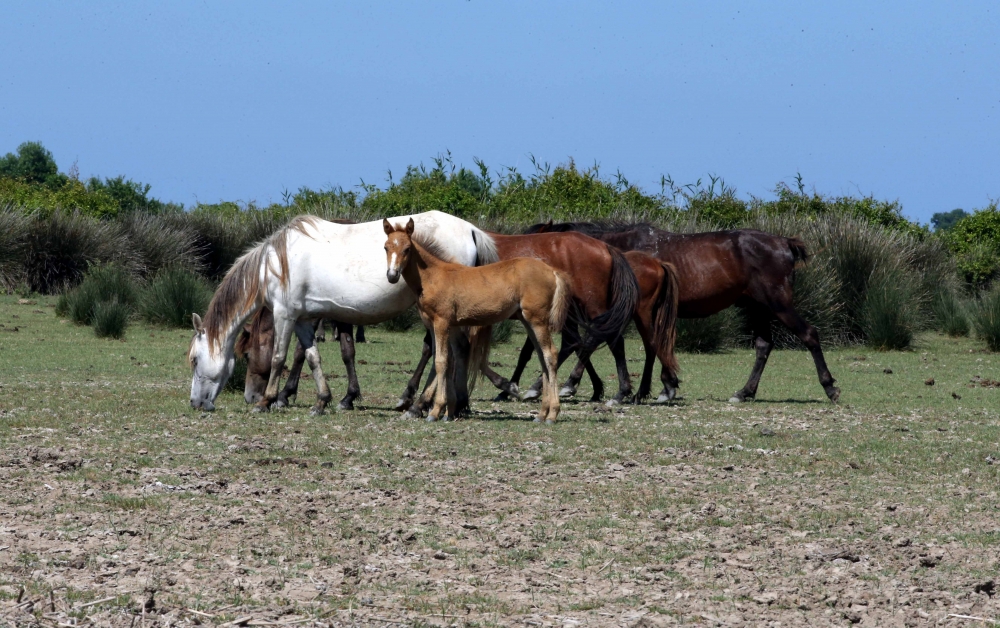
point(566, 392)
point(531, 394)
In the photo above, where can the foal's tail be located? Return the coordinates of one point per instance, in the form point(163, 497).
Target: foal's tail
point(562, 299)
point(665, 319)
point(623, 297)
point(480, 340)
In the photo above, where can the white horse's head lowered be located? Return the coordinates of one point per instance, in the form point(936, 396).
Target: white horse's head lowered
point(211, 369)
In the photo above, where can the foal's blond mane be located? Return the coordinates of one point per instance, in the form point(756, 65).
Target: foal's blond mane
point(241, 290)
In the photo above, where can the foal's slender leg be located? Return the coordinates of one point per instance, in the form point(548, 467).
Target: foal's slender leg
point(291, 390)
point(406, 399)
point(567, 349)
point(283, 328)
point(441, 333)
point(541, 337)
point(305, 331)
point(522, 361)
point(617, 347)
point(760, 320)
point(345, 332)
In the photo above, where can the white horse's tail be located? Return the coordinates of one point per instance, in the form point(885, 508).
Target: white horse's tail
point(486, 247)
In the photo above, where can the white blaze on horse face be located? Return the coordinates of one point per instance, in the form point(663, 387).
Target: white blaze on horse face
point(209, 373)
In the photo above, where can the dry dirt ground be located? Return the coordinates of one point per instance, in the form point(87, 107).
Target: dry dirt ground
point(122, 507)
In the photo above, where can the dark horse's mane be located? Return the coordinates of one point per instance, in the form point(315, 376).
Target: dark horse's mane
point(590, 228)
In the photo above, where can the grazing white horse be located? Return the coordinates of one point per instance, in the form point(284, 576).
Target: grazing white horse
point(308, 269)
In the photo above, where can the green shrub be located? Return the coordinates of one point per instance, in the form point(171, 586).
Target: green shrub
point(101, 284)
point(975, 241)
point(172, 296)
point(403, 322)
point(110, 319)
point(986, 318)
point(890, 312)
point(709, 334)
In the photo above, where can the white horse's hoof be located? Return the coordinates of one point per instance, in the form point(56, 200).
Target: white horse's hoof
point(279, 404)
point(735, 399)
point(531, 394)
point(514, 391)
point(566, 392)
point(611, 403)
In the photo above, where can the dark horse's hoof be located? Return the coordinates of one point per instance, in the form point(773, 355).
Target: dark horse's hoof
point(833, 393)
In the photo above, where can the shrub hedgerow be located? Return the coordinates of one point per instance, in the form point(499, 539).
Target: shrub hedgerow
point(986, 318)
point(110, 319)
point(172, 296)
point(156, 242)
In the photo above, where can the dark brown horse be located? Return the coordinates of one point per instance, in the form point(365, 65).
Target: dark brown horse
point(743, 267)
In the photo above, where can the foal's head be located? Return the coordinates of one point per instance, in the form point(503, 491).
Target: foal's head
point(397, 248)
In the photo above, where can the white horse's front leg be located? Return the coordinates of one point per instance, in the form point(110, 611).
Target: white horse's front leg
point(307, 336)
point(283, 328)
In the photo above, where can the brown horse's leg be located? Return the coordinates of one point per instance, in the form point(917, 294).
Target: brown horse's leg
point(291, 390)
point(522, 361)
point(305, 332)
point(810, 338)
point(406, 400)
point(624, 395)
point(502, 383)
point(646, 382)
point(345, 332)
point(760, 319)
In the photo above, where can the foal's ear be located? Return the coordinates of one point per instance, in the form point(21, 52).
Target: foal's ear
point(409, 227)
point(196, 320)
point(388, 228)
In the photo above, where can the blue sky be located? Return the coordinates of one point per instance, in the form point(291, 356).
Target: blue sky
point(210, 101)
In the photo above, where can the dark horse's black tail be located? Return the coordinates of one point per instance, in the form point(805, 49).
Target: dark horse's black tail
point(798, 249)
point(623, 297)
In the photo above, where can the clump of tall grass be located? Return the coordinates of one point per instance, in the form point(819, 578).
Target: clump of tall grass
point(710, 334)
point(986, 318)
point(156, 243)
point(237, 381)
point(172, 296)
point(890, 312)
point(13, 234)
point(950, 316)
point(59, 247)
point(110, 319)
point(503, 331)
point(101, 284)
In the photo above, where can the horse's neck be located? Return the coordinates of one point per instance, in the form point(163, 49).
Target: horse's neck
point(422, 266)
point(232, 330)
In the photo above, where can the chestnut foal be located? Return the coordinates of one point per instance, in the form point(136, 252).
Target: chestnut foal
point(451, 295)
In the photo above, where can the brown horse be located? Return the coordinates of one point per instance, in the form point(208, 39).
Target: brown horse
point(452, 295)
point(743, 267)
point(255, 342)
point(604, 289)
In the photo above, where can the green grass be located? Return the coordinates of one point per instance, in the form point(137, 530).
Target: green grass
point(601, 510)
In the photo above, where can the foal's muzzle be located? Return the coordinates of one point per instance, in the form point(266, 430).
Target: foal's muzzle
point(392, 275)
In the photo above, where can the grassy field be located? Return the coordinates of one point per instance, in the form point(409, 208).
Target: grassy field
point(882, 510)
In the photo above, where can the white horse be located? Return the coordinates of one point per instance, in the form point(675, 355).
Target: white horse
point(313, 268)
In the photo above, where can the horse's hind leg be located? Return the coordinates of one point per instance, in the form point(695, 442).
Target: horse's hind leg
point(305, 333)
point(617, 347)
point(810, 338)
point(522, 361)
point(289, 393)
point(541, 337)
point(360, 336)
point(345, 332)
point(565, 351)
point(406, 399)
point(573, 381)
point(760, 320)
point(441, 333)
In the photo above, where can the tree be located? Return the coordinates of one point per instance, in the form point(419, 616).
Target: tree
point(32, 164)
point(943, 221)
